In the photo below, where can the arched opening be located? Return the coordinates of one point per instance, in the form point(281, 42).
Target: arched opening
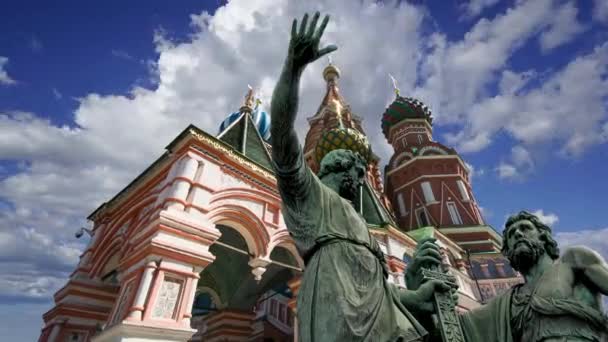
point(228, 287)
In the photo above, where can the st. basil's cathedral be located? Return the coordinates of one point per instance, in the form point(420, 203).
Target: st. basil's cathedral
point(195, 248)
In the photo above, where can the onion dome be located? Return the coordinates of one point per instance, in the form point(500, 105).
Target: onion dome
point(259, 116)
point(404, 108)
point(342, 138)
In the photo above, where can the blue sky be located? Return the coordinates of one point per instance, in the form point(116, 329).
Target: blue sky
point(91, 93)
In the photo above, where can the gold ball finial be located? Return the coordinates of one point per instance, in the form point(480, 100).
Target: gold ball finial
point(331, 72)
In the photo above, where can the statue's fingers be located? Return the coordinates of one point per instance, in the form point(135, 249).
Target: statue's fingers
point(429, 251)
point(428, 246)
point(427, 243)
point(322, 27)
point(441, 286)
point(427, 259)
point(303, 24)
point(313, 24)
point(324, 51)
point(423, 241)
point(294, 27)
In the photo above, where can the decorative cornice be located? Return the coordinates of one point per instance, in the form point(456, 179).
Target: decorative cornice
point(232, 154)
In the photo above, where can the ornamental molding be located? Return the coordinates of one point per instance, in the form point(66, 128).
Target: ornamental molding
point(232, 155)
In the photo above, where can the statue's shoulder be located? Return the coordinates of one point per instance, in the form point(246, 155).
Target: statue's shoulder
point(581, 256)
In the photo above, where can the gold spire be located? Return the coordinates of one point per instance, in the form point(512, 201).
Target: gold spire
point(337, 107)
point(395, 88)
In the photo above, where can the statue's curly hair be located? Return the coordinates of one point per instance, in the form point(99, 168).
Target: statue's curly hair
point(545, 233)
point(340, 160)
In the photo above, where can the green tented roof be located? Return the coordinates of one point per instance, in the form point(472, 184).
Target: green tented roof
point(373, 211)
point(245, 138)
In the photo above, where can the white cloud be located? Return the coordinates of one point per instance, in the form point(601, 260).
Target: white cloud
point(35, 44)
point(121, 54)
point(600, 11)
point(474, 172)
point(568, 108)
point(549, 218)
point(563, 29)
point(456, 77)
point(596, 239)
point(506, 170)
point(57, 94)
point(520, 164)
point(474, 7)
point(4, 77)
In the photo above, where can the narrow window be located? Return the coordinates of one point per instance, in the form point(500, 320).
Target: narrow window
point(464, 194)
point(401, 203)
point(428, 192)
point(423, 220)
point(454, 213)
point(420, 139)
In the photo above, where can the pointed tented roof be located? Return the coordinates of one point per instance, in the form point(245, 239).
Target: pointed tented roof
point(373, 211)
point(244, 137)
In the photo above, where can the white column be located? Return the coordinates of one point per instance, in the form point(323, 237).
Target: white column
point(180, 187)
point(55, 332)
point(190, 300)
point(142, 292)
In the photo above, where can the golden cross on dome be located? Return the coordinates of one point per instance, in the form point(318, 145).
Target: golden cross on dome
point(249, 97)
point(395, 88)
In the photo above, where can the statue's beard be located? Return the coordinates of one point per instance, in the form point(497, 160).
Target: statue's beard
point(348, 188)
point(523, 259)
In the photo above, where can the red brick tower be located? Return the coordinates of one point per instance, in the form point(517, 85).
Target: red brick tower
point(427, 182)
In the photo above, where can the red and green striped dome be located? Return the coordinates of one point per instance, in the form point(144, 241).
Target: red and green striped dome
point(343, 138)
point(404, 108)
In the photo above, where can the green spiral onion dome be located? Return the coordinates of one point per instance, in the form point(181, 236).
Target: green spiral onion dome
point(404, 108)
point(342, 138)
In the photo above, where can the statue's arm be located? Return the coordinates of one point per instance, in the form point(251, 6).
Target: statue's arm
point(590, 264)
point(286, 148)
point(303, 50)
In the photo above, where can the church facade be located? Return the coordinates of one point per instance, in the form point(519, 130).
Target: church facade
point(196, 249)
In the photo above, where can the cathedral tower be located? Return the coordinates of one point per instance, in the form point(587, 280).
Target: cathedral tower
point(427, 182)
point(335, 126)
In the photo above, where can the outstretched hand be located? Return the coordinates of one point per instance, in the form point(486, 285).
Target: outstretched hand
point(304, 43)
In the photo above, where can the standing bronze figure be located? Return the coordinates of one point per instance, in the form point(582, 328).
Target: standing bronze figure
point(344, 294)
point(559, 301)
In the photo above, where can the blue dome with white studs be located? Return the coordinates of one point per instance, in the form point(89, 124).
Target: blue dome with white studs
point(260, 118)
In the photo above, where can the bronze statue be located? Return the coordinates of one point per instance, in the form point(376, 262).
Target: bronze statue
point(559, 301)
point(344, 294)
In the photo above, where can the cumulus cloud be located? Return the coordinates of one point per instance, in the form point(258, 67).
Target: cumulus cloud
point(121, 54)
point(562, 29)
point(549, 218)
point(474, 172)
point(473, 8)
point(600, 11)
point(518, 165)
point(4, 77)
point(455, 79)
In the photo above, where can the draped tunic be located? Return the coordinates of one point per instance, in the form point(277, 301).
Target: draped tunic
point(344, 294)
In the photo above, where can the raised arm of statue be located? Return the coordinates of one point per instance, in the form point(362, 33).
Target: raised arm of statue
point(590, 264)
point(303, 49)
